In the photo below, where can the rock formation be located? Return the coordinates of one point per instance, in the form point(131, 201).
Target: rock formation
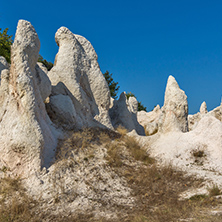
point(124, 113)
point(43, 81)
point(194, 119)
point(37, 110)
point(175, 110)
point(3, 65)
point(79, 98)
point(76, 74)
point(203, 108)
point(150, 120)
point(217, 112)
point(178, 147)
point(27, 137)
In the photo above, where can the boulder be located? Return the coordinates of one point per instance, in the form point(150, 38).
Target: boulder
point(76, 67)
point(27, 137)
point(174, 115)
point(124, 113)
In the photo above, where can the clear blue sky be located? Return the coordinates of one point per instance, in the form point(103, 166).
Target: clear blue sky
point(140, 42)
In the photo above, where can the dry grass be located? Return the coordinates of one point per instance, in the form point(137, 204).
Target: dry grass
point(121, 130)
point(15, 205)
point(84, 139)
point(156, 189)
point(214, 191)
point(136, 151)
point(114, 155)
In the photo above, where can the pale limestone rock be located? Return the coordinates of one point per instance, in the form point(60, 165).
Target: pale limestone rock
point(175, 110)
point(43, 81)
point(111, 102)
point(124, 113)
point(177, 149)
point(76, 67)
point(206, 137)
point(27, 137)
point(3, 65)
point(62, 111)
point(193, 120)
point(150, 120)
point(203, 108)
point(133, 104)
point(217, 112)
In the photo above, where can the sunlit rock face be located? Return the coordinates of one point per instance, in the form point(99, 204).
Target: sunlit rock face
point(76, 74)
point(150, 120)
point(124, 113)
point(27, 137)
point(175, 110)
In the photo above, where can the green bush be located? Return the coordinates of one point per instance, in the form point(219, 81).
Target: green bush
point(5, 44)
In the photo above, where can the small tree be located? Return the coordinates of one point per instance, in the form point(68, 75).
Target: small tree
point(5, 45)
point(112, 85)
point(47, 64)
point(140, 105)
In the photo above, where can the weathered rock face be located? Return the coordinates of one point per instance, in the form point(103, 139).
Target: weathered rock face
point(124, 113)
point(27, 137)
point(3, 65)
point(150, 120)
point(43, 81)
point(62, 111)
point(76, 67)
point(194, 119)
point(203, 108)
point(175, 109)
point(217, 112)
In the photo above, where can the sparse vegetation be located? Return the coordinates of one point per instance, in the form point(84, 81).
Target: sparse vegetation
point(155, 188)
point(214, 191)
point(198, 153)
point(136, 151)
point(121, 130)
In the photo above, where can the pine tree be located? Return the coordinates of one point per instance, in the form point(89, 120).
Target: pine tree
point(113, 86)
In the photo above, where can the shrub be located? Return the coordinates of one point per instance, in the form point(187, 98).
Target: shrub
point(5, 44)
